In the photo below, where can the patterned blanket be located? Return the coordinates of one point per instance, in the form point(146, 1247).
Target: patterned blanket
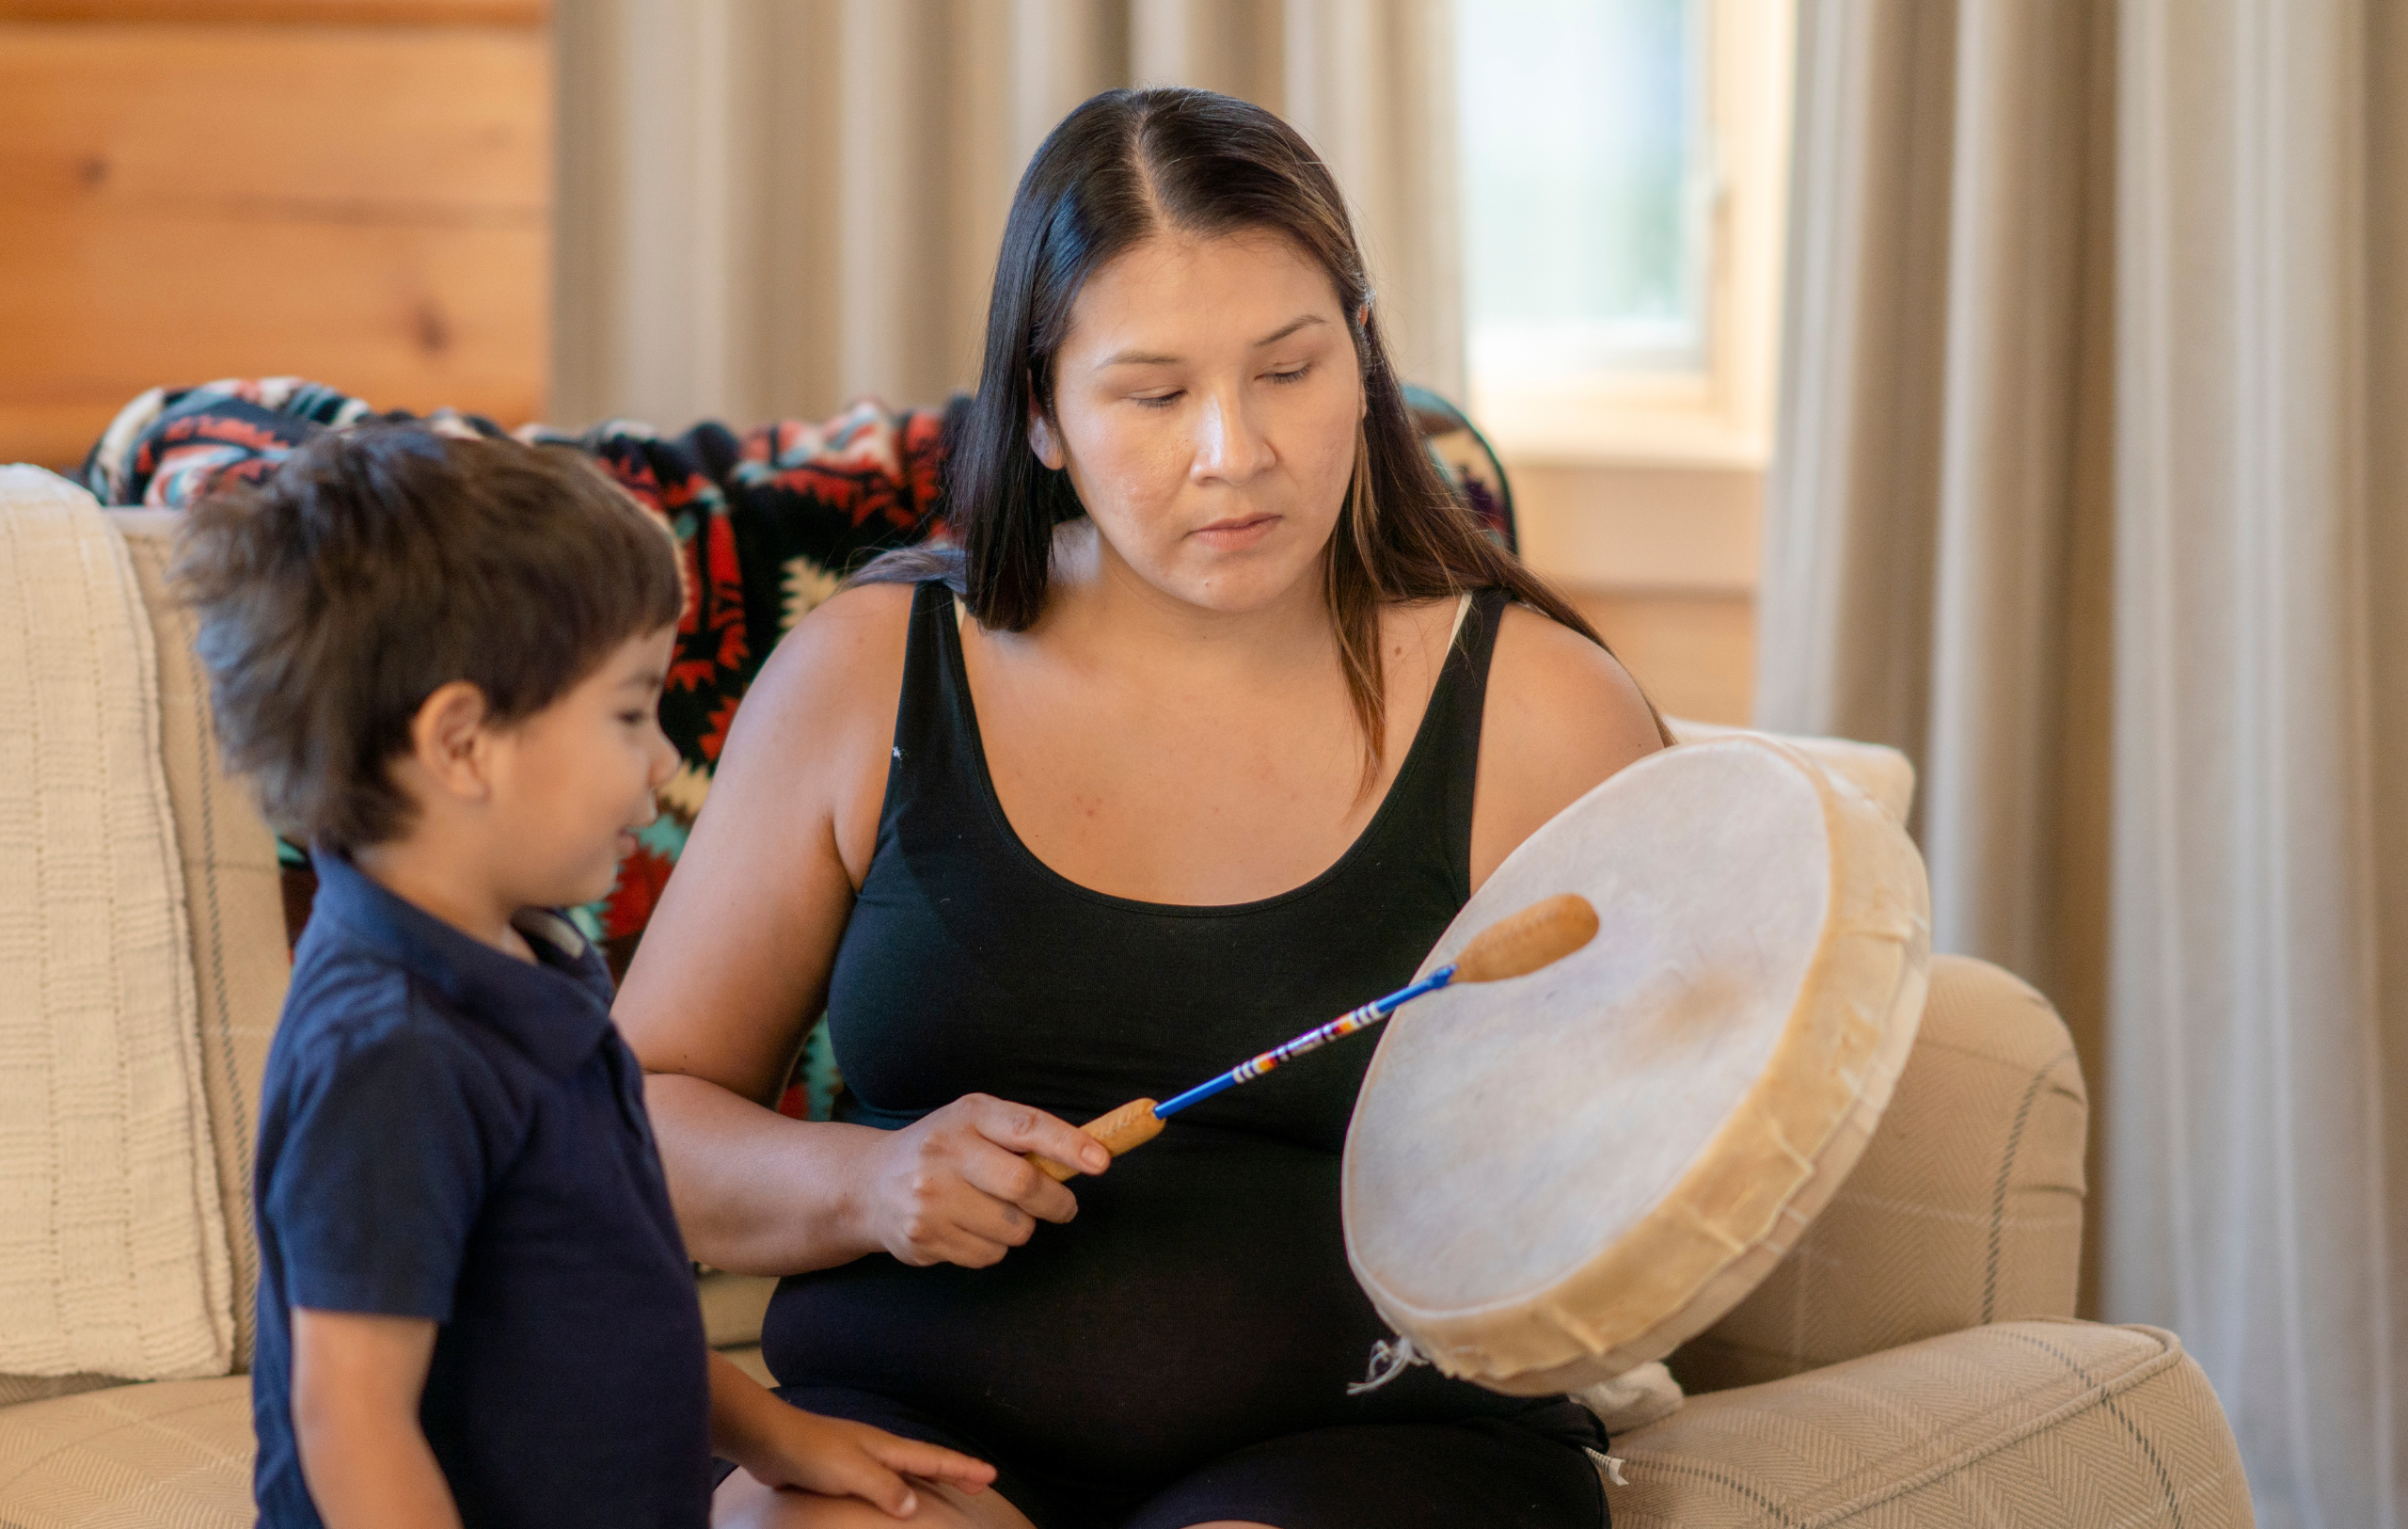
point(768, 524)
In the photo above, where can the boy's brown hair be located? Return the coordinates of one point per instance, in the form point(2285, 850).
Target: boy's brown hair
point(382, 563)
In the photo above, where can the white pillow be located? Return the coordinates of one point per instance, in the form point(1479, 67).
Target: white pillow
point(113, 1251)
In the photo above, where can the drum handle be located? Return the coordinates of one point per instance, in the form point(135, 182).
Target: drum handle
point(1539, 934)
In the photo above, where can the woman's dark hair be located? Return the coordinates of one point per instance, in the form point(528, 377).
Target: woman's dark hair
point(1123, 166)
point(381, 563)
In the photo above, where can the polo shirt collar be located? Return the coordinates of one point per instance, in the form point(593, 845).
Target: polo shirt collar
point(556, 1011)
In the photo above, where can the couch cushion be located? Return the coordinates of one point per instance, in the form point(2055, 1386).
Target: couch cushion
point(1878, 769)
point(2025, 1422)
point(177, 1454)
point(234, 904)
point(1966, 1207)
point(172, 1454)
point(113, 1241)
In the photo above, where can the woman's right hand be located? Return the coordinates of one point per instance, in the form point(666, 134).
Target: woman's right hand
point(954, 1186)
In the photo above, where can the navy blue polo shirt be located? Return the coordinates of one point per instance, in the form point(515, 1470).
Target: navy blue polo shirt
point(449, 1133)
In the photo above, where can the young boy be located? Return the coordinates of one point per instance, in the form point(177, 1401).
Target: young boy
point(440, 661)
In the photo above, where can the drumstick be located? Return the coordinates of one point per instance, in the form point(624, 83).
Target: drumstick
point(1515, 946)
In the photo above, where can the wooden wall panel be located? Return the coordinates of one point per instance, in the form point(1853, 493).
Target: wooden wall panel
point(365, 205)
point(287, 13)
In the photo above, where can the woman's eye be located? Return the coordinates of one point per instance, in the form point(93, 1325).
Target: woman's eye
point(1296, 376)
point(1155, 400)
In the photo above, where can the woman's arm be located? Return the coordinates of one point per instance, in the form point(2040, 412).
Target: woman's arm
point(734, 968)
point(1563, 714)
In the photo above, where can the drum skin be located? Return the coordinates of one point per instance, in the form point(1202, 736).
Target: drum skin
point(1551, 1179)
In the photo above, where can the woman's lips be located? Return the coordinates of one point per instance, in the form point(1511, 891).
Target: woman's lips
point(1235, 535)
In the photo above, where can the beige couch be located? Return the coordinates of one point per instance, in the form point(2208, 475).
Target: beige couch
point(1913, 1362)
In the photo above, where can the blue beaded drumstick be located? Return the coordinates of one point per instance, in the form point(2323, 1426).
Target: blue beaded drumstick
point(1539, 934)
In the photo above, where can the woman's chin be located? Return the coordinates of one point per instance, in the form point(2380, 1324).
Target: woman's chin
point(1243, 583)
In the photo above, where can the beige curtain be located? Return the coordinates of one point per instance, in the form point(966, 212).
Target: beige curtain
point(770, 207)
point(2091, 493)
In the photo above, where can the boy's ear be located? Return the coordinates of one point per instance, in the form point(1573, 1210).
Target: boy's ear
point(448, 739)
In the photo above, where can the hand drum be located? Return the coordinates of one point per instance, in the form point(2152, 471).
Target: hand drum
point(1553, 1178)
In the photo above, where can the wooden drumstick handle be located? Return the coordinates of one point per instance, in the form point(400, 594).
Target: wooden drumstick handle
point(1540, 934)
point(1125, 1129)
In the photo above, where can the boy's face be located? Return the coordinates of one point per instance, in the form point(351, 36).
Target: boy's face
point(572, 783)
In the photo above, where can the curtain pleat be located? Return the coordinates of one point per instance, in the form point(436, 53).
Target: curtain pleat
point(770, 207)
point(2246, 990)
point(2091, 493)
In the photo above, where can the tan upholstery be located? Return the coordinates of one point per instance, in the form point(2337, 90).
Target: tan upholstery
point(733, 1306)
point(35, 1388)
point(2025, 1422)
point(234, 904)
point(113, 1246)
point(1966, 1207)
point(2039, 1423)
point(171, 1455)
point(234, 912)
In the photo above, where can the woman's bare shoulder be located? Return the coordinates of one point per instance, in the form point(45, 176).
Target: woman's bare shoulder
point(841, 662)
point(809, 746)
point(1575, 683)
point(1563, 714)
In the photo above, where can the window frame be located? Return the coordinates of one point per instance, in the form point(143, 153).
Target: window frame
point(1721, 416)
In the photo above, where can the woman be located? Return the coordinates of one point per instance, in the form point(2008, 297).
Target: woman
point(1232, 711)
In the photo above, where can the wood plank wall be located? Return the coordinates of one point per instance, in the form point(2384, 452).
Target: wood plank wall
point(357, 191)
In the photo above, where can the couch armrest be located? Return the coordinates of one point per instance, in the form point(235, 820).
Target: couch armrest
point(2062, 1422)
point(1965, 1209)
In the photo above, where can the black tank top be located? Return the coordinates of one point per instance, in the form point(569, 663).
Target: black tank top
point(1201, 1300)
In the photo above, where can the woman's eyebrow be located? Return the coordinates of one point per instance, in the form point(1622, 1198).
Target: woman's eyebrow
point(1290, 328)
point(1143, 358)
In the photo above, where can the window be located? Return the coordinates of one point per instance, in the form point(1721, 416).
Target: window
point(1622, 187)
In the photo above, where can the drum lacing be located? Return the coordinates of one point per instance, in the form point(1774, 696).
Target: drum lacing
point(1389, 1359)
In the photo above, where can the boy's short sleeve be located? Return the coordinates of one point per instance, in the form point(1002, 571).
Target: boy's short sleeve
point(387, 1154)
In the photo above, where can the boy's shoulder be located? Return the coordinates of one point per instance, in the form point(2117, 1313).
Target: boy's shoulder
point(377, 1088)
point(351, 1007)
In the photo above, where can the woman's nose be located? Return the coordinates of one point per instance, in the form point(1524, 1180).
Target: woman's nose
point(1230, 446)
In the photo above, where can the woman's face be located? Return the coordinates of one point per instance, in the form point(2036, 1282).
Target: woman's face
point(1206, 401)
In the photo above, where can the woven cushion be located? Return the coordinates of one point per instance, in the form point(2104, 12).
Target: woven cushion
point(1966, 1207)
point(173, 1454)
point(2025, 1422)
point(233, 901)
point(113, 1243)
